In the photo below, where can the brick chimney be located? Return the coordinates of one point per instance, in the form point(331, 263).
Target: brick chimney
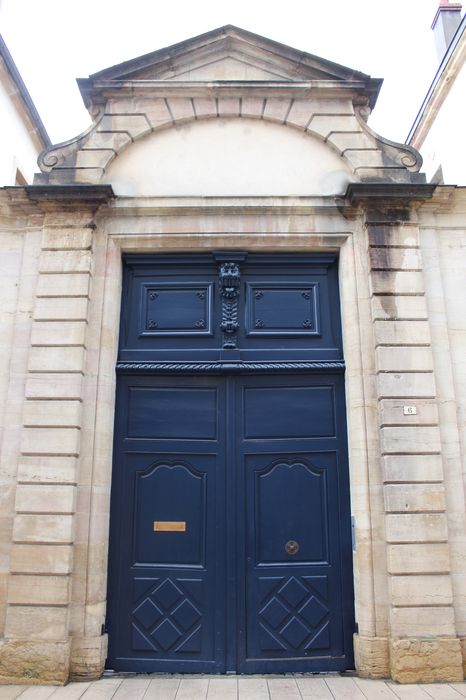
point(445, 24)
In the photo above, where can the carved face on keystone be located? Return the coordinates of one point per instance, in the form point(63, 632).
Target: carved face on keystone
point(229, 279)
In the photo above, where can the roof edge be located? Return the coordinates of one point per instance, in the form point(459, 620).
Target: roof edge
point(24, 93)
point(449, 54)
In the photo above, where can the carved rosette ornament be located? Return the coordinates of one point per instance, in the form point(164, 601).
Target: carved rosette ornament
point(229, 283)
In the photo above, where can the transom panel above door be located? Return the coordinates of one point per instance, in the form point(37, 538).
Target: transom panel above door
point(230, 307)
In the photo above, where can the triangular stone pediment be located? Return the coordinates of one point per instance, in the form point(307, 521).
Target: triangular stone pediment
point(218, 66)
point(230, 68)
point(229, 53)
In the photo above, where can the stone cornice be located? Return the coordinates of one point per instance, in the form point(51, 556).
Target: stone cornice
point(39, 199)
point(185, 206)
point(446, 198)
point(374, 193)
point(101, 90)
point(70, 193)
point(53, 198)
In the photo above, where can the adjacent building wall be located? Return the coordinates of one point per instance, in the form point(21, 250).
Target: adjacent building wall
point(444, 145)
point(22, 136)
point(437, 128)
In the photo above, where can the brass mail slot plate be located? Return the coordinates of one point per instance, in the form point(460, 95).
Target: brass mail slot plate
point(169, 526)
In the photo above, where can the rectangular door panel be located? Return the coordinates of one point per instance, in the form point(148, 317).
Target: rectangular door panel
point(167, 413)
point(275, 412)
point(170, 510)
point(289, 497)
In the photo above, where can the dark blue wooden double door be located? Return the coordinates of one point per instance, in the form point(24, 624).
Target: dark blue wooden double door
point(231, 547)
point(230, 543)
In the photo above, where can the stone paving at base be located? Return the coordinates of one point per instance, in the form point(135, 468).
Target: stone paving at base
point(289, 687)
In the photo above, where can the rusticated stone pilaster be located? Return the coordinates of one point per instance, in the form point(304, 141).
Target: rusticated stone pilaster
point(422, 622)
point(37, 628)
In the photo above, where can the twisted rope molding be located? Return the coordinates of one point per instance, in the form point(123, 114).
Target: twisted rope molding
point(193, 367)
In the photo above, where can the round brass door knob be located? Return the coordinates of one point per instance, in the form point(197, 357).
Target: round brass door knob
point(291, 547)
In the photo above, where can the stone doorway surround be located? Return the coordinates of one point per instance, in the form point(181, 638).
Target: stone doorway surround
point(65, 237)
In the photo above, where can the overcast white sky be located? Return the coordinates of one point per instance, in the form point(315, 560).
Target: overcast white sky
point(55, 41)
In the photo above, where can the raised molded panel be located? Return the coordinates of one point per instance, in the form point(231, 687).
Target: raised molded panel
point(176, 309)
point(296, 587)
point(167, 615)
point(289, 412)
point(172, 412)
point(294, 613)
point(282, 309)
point(290, 504)
point(173, 492)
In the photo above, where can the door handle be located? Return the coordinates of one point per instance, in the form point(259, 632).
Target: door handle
point(292, 547)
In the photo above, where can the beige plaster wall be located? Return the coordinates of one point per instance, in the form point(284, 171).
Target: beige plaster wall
point(222, 157)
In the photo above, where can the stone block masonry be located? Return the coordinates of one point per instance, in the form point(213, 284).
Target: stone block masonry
point(37, 644)
point(422, 645)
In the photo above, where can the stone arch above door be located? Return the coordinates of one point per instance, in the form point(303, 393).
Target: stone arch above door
point(229, 74)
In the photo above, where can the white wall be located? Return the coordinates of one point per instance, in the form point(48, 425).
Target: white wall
point(228, 157)
point(446, 143)
point(17, 147)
